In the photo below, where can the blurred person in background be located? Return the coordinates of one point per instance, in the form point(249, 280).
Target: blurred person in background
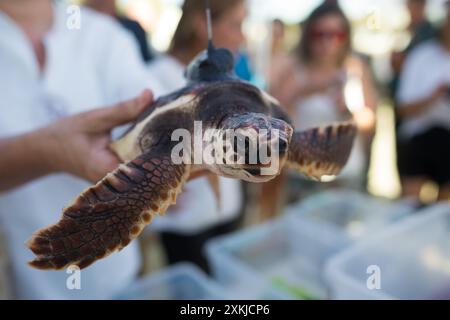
point(311, 85)
point(278, 33)
point(279, 56)
point(52, 77)
point(271, 194)
point(420, 30)
point(195, 220)
point(420, 27)
point(424, 108)
point(109, 7)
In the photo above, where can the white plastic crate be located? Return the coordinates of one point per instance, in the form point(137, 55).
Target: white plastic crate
point(181, 282)
point(271, 261)
point(287, 256)
point(346, 215)
point(413, 258)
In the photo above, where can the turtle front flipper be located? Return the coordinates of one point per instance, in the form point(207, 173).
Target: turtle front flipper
point(107, 216)
point(323, 151)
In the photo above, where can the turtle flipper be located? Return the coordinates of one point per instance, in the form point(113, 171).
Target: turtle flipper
point(323, 151)
point(107, 216)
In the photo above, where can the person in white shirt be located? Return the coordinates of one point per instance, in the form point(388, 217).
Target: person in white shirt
point(424, 109)
point(313, 84)
point(195, 219)
point(50, 142)
point(109, 7)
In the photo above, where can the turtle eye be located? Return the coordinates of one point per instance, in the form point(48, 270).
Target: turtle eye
point(146, 142)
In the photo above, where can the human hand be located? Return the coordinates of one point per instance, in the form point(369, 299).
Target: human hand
point(365, 119)
point(79, 144)
point(318, 84)
point(439, 92)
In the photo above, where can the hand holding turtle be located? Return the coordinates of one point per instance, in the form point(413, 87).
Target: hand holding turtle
point(415, 108)
point(80, 144)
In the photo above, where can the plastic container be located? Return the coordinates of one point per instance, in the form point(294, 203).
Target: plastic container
point(271, 261)
point(340, 218)
point(286, 257)
point(410, 260)
point(344, 216)
point(181, 282)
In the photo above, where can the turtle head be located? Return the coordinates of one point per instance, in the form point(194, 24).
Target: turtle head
point(255, 147)
point(211, 65)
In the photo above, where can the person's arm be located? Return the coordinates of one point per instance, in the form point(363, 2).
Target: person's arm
point(78, 145)
point(415, 93)
point(286, 86)
point(24, 158)
point(413, 109)
point(366, 116)
point(287, 93)
point(369, 88)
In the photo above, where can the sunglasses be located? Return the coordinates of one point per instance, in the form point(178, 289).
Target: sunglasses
point(340, 36)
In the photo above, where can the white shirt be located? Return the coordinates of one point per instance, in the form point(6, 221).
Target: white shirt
point(95, 66)
point(196, 206)
point(320, 109)
point(426, 68)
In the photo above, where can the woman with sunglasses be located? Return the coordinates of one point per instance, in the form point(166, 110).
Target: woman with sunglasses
point(311, 83)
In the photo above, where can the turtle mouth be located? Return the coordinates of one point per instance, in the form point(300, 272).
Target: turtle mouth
point(251, 174)
point(255, 146)
point(254, 171)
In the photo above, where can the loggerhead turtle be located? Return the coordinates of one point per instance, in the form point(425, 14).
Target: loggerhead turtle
point(107, 216)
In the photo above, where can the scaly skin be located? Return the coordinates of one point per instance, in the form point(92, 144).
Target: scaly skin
point(322, 151)
point(107, 216)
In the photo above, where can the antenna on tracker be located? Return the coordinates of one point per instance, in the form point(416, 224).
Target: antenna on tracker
point(209, 24)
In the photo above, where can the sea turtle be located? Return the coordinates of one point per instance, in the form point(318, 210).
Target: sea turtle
point(107, 216)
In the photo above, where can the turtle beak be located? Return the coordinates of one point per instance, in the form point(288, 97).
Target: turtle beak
point(280, 136)
point(267, 148)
